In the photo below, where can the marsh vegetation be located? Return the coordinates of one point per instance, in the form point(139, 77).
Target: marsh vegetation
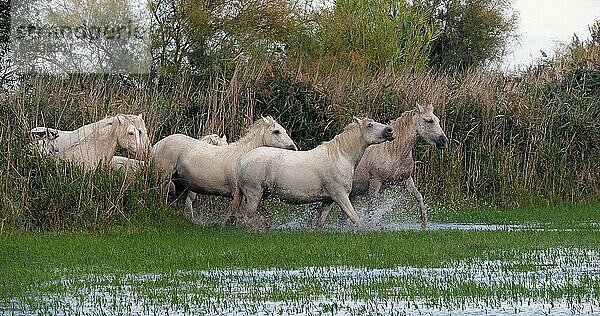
point(514, 198)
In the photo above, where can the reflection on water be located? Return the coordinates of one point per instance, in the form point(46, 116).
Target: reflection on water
point(550, 282)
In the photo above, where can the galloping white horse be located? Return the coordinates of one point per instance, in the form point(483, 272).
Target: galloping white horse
point(203, 168)
point(134, 165)
point(96, 142)
point(392, 163)
point(321, 174)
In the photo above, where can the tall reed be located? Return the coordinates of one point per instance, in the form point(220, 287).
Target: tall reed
point(514, 140)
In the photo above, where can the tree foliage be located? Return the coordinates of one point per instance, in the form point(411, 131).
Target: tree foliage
point(200, 32)
point(472, 32)
point(372, 34)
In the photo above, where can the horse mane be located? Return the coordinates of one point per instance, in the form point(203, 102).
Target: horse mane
point(93, 130)
point(254, 131)
point(402, 129)
point(348, 138)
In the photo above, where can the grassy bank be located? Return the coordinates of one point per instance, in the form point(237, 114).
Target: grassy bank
point(189, 268)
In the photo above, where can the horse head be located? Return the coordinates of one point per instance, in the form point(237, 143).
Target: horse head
point(132, 134)
point(374, 132)
point(274, 135)
point(428, 126)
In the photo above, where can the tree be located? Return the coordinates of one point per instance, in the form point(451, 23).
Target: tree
point(200, 33)
point(371, 35)
point(472, 32)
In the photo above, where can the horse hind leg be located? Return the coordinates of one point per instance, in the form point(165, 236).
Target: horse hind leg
point(267, 217)
point(171, 192)
point(189, 205)
point(410, 186)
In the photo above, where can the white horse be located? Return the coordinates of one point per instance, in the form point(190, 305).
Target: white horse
point(135, 165)
point(203, 168)
point(322, 174)
point(392, 163)
point(212, 139)
point(97, 142)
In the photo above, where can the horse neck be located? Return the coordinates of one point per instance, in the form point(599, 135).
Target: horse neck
point(98, 140)
point(252, 139)
point(406, 135)
point(349, 144)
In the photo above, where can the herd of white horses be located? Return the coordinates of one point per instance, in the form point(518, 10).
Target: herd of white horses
point(263, 163)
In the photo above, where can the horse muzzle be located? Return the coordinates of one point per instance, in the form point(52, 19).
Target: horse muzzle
point(441, 142)
point(388, 134)
point(291, 147)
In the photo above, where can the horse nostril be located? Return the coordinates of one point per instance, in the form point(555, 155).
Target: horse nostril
point(442, 142)
point(389, 130)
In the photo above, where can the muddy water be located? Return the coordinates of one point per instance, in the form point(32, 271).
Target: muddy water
point(551, 282)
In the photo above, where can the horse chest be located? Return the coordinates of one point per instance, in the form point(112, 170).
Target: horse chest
point(397, 170)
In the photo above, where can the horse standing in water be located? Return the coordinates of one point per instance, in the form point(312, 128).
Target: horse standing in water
point(203, 168)
point(322, 174)
point(97, 142)
point(392, 163)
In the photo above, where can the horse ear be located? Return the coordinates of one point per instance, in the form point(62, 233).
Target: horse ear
point(268, 119)
point(140, 116)
point(224, 138)
point(120, 118)
point(356, 119)
point(420, 108)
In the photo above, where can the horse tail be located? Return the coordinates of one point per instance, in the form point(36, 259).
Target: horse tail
point(236, 203)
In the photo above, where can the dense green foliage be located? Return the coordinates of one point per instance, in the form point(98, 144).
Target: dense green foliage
point(472, 32)
point(370, 34)
point(349, 34)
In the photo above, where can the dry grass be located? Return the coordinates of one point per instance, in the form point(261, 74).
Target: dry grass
point(520, 140)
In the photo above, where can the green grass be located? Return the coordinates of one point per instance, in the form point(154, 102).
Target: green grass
point(164, 264)
point(561, 216)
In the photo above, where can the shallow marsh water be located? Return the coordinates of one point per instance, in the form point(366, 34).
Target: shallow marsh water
point(528, 280)
point(551, 282)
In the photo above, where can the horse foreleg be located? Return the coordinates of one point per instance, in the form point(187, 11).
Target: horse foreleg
point(374, 215)
point(322, 212)
point(410, 186)
point(374, 187)
point(249, 205)
point(344, 202)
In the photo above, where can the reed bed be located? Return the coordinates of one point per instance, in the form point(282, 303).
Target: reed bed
point(528, 139)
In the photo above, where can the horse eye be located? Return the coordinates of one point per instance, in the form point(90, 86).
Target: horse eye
point(370, 125)
point(130, 133)
point(276, 132)
point(428, 120)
